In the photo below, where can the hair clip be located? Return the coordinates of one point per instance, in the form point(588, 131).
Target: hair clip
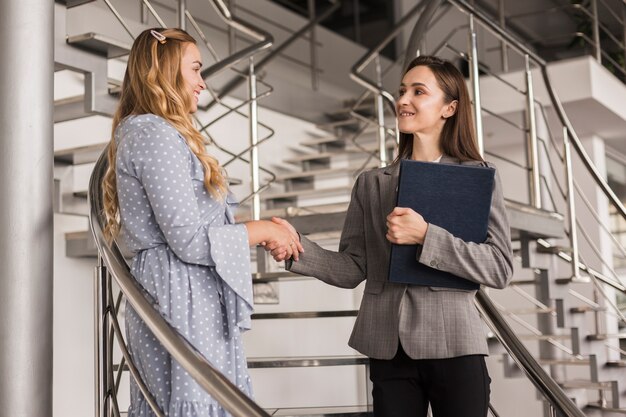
point(159, 36)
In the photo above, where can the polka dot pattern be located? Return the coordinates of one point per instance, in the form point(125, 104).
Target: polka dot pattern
point(191, 259)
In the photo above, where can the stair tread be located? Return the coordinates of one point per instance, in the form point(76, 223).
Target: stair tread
point(343, 410)
point(101, 44)
point(305, 314)
point(307, 361)
point(569, 361)
point(599, 406)
point(583, 383)
point(79, 155)
point(318, 172)
point(325, 155)
point(306, 192)
point(339, 139)
point(536, 310)
point(544, 336)
point(606, 336)
point(74, 3)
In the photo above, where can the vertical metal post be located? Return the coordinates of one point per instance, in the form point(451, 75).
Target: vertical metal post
point(232, 34)
point(624, 32)
point(532, 147)
point(313, 47)
point(254, 138)
point(101, 327)
point(571, 205)
point(595, 27)
point(357, 20)
point(143, 13)
point(182, 21)
point(380, 113)
point(504, 55)
point(475, 81)
point(26, 223)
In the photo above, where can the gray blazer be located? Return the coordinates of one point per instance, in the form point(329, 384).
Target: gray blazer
point(430, 322)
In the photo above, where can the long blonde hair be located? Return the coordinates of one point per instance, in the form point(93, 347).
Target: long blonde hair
point(153, 83)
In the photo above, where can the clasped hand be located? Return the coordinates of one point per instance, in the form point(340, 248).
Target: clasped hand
point(406, 227)
point(285, 242)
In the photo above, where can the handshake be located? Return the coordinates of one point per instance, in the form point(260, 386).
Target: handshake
point(284, 242)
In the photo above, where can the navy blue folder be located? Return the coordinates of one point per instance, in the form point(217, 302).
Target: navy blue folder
point(454, 197)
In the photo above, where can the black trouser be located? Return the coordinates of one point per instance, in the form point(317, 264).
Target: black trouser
point(454, 387)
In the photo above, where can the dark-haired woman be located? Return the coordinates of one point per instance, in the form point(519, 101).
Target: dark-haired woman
point(427, 344)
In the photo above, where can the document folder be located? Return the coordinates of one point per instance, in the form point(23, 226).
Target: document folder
point(456, 198)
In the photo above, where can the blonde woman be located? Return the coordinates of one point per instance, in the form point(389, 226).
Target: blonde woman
point(170, 201)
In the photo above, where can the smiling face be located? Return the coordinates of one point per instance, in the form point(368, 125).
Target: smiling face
point(190, 65)
point(421, 106)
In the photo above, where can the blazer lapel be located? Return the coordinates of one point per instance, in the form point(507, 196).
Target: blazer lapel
point(388, 188)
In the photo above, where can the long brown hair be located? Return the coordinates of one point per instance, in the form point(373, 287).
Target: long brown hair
point(153, 83)
point(458, 138)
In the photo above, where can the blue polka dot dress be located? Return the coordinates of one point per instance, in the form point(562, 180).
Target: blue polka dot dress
point(190, 257)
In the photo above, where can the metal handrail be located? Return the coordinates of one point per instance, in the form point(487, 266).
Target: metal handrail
point(265, 40)
point(209, 378)
point(237, 81)
point(524, 359)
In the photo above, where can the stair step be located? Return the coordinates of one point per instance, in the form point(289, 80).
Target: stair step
point(533, 223)
point(74, 3)
point(569, 361)
point(544, 336)
point(522, 311)
point(350, 124)
point(585, 309)
point(553, 249)
point(327, 155)
point(338, 411)
point(69, 108)
point(79, 155)
point(309, 174)
point(606, 336)
point(341, 141)
point(599, 406)
point(305, 314)
point(100, 44)
point(616, 364)
point(306, 192)
point(308, 361)
point(524, 282)
point(585, 384)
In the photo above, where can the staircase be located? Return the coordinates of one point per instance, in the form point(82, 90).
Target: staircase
point(565, 323)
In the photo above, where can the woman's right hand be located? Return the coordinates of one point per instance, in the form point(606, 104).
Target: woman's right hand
point(285, 242)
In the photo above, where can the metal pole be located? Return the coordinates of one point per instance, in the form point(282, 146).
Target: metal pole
point(474, 78)
point(313, 48)
point(571, 206)
point(26, 223)
point(232, 35)
point(503, 48)
point(144, 15)
point(595, 27)
point(533, 157)
point(357, 20)
point(101, 326)
point(182, 21)
point(380, 112)
point(254, 139)
point(624, 32)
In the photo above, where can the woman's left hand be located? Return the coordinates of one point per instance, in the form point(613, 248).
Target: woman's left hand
point(406, 227)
